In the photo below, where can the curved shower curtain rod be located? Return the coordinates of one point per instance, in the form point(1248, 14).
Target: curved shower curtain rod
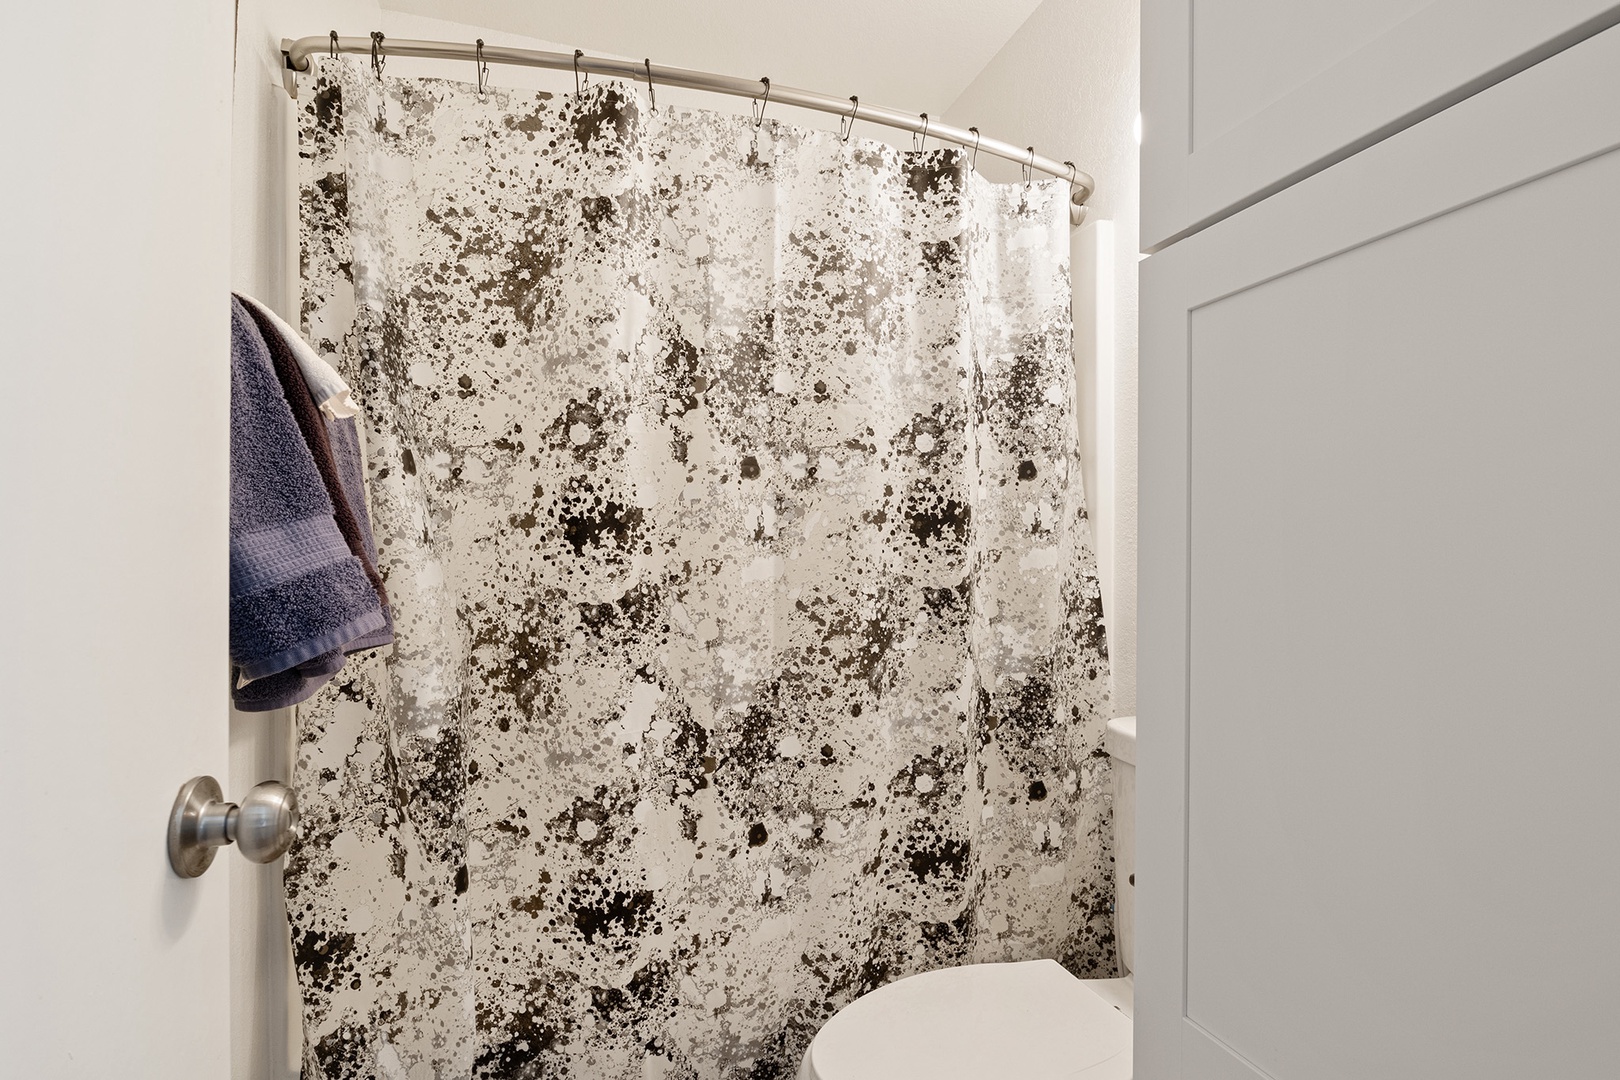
point(297, 54)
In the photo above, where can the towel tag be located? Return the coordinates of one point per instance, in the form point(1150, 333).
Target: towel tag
point(340, 406)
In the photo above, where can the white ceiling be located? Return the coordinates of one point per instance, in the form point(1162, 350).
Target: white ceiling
point(906, 54)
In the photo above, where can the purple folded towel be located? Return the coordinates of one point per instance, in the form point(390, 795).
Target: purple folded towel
point(297, 591)
point(334, 446)
point(288, 687)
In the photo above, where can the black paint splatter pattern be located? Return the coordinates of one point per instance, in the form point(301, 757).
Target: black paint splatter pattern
point(749, 639)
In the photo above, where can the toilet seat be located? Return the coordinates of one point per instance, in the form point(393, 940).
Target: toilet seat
point(1030, 1020)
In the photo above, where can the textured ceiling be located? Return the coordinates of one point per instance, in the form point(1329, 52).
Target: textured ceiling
point(907, 54)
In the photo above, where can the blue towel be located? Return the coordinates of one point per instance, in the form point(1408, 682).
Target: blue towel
point(334, 446)
point(288, 687)
point(297, 592)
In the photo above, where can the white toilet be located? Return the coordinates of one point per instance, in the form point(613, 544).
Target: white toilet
point(1031, 1020)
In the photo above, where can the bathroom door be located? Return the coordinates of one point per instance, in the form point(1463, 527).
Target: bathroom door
point(114, 397)
point(1380, 496)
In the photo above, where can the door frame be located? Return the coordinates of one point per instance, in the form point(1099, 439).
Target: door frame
point(1516, 132)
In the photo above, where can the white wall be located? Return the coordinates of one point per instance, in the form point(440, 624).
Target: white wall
point(1067, 82)
point(113, 489)
point(911, 55)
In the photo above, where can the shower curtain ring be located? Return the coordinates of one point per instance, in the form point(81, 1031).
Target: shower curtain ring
point(759, 103)
point(578, 53)
point(757, 106)
point(846, 124)
point(482, 67)
point(652, 95)
point(975, 165)
point(331, 50)
point(1029, 168)
point(378, 59)
point(918, 143)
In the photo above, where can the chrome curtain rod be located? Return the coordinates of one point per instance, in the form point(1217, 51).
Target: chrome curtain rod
point(1081, 184)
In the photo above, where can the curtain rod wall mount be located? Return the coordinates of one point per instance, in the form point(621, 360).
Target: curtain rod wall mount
point(297, 55)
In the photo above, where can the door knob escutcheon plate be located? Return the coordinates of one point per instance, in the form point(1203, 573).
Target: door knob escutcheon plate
point(197, 826)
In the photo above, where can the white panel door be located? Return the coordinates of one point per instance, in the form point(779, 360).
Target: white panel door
point(1243, 97)
point(1379, 826)
point(114, 461)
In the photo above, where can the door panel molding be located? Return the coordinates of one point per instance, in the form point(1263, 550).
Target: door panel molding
point(1550, 118)
point(1208, 1058)
point(1446, 52)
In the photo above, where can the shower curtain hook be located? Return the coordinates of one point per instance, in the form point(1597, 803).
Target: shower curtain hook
point(378, 59)
point(1029, 168)
point(846, 124)
point(759, 103)
point(331, 50)
point(578, 53)
point(757, 106)
point(916, 143)
point(652, 95)
point(482, 67)
point(975, 165)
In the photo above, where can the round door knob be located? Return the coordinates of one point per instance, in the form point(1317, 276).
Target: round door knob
point(264, 826)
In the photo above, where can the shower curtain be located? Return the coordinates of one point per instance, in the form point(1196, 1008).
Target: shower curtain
point(750, 651)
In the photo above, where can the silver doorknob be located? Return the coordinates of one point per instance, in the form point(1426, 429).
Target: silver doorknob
point(263, 827)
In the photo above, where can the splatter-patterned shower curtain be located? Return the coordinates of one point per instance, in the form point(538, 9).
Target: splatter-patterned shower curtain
point(749, 640)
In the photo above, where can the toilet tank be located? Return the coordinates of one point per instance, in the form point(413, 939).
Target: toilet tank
point(1119, 740)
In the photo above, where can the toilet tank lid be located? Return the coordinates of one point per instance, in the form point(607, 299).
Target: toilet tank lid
point(1119, 741)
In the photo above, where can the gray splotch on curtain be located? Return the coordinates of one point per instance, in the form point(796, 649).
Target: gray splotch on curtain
point(749, 639)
